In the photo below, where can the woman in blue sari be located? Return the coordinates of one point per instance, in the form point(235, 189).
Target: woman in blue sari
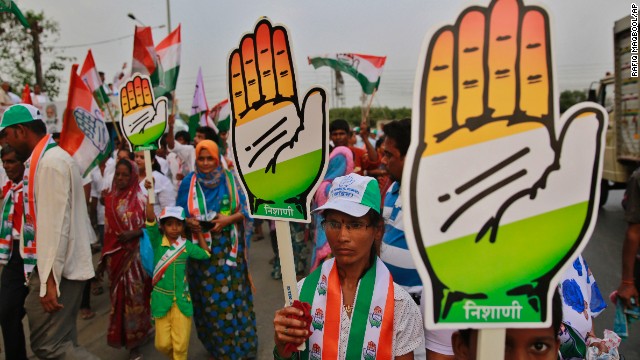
point(220, 286)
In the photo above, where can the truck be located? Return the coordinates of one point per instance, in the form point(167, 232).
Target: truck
point(618, 94)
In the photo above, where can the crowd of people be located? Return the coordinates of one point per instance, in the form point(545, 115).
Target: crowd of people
point(198, 232)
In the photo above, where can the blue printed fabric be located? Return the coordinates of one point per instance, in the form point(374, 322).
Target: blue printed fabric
point(581, 302)
point(221, 294)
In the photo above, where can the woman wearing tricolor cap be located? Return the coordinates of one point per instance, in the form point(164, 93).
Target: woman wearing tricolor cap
point(356, 309)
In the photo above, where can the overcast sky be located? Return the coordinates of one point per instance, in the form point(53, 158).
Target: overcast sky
point(582, 36)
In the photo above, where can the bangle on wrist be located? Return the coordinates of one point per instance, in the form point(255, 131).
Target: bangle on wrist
point(276, 355)
point(628, 282)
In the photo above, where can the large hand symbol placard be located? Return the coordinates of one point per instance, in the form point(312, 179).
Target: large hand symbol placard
point(501, 190)
point(280, 145)
point(144, 117)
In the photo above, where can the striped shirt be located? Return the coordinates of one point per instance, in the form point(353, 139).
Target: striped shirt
point(394, 251)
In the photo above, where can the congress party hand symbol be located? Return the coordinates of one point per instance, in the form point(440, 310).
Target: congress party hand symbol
point(503, 190)
point(144, 118)
point(279, 143)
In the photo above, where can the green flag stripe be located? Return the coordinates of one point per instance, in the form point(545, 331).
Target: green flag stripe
point(361, 314)
point(367, 86)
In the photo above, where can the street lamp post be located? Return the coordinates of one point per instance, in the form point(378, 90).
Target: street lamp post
point(134, 18)
point(168, 16)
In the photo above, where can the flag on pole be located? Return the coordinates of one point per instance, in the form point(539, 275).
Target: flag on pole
point(367, 69)
point(144, 53)
point(199, 107)
point(10, 6)
point(89, 74)
point(221, 115)
point(168, 64)
point(84, 133)
point(26, 95)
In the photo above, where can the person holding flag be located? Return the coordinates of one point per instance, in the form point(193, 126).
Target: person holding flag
point(56, 235)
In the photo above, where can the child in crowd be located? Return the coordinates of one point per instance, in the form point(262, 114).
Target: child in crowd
point(170, 300)
point(520, 344)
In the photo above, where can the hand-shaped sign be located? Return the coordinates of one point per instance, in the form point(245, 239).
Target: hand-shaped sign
point(279, 145)
point(502, 191)
point(144, 118)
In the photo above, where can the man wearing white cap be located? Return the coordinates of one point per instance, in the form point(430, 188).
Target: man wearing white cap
point(55, 236)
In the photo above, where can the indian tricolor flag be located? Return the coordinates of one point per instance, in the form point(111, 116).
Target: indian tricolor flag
point(367, 69)
point(221, 115)
point(84, 133)
point(89, 74)
point(144, 54)
point(168, 63)
point(199, 107)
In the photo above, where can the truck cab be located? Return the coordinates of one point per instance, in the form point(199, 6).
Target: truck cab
point(618, 94)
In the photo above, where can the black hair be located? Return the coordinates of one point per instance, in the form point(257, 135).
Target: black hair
point(380, 141)
point(130, 155)
point(38, 127)
point(183, 134)
point(155, 165)
point(164, 221)
point(6, 150)
point(556, 319)
point(163, 140)
point(400, 132)
point(209, 133)
point(339, 124)
point(126, 163)
point(375, 220)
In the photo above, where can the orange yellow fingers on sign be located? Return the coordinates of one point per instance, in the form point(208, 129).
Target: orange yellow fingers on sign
point(502, 189)
point(279, 141)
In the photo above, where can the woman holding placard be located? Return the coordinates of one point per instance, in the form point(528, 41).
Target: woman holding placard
point(130, 289)
point(220, 286)
point(352, 290)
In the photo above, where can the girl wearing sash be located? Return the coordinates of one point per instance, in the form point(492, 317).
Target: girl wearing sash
point(220, 286)
point(130, 288)
point(170, 299)
point(357, 311)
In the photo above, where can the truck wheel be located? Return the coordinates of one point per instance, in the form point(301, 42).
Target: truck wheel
point(604, 191)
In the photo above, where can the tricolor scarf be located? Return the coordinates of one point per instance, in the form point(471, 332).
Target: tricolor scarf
point(169, 257)
point(371, 332)
point(12, 196)
point(29, 229)
point(197, 206)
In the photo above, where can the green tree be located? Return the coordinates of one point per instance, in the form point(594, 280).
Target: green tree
point(353, 115)
point(27, 56)
point(568, 98)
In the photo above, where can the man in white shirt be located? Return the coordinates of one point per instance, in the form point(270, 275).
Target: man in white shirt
point(187, 152)
point(38, 98)
point(59, 230)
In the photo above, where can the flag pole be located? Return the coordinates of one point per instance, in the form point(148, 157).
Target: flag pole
point(366, 114)
point(490, 343)
point(287, 264)
point(113, 121)
point(149, 176)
